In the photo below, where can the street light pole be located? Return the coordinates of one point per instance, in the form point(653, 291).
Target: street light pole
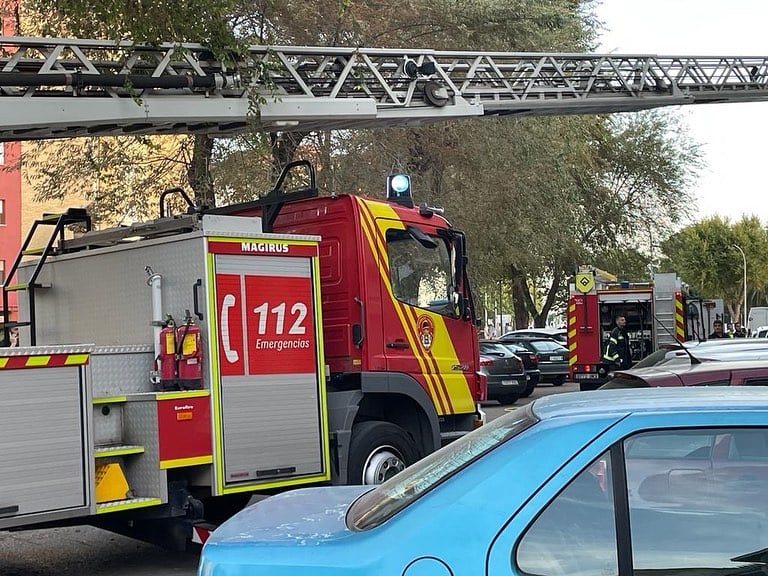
point(744, 258)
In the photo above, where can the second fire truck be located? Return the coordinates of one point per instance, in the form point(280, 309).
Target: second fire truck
point(659, 311)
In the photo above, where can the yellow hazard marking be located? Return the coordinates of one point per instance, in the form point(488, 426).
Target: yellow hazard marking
point(38, 360)
point(110, 400)
point(111, 483)
point(572, 333)
point(182, 462)
point(181, 395)
point(3, 362)
point(76, 359)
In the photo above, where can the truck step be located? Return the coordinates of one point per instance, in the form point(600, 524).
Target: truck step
point(117, 450)
point(127, 504)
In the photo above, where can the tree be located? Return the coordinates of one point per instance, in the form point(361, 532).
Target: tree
point(704, 256)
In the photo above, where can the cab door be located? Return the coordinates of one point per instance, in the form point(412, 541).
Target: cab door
point(426, 335)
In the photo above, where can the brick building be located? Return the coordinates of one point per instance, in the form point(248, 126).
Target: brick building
point(10, 184)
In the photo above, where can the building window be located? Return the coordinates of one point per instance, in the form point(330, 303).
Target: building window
point(2, 153)
point(2, 271)
point(2, 212)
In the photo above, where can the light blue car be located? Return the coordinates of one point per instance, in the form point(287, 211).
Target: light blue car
point(614, 482)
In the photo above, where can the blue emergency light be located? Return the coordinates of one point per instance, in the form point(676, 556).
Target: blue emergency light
point(399, 189)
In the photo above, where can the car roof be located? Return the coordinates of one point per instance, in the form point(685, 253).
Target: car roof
point(548, 331)
point(598, 403)
point(722, 342)
point(649, 373)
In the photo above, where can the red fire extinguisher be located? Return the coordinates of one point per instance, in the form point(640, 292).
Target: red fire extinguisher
point(168, 367)
point(189, 355)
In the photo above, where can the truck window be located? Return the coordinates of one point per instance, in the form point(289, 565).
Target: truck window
point(420, 273)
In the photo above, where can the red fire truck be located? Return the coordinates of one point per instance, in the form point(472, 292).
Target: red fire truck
point(174, 367)
point(658, 311)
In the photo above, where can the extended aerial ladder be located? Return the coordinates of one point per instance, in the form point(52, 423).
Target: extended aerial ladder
point(58, 88)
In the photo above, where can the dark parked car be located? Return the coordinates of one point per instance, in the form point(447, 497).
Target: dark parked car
point(507, 380)
point(713, 373)
point(553, 358)
point(530, 363)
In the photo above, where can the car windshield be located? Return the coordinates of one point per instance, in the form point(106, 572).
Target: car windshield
point(381, 503)
point(493, 348)
point(546, 346)
point(654, 358)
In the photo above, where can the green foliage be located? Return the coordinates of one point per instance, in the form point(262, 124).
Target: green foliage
point(536, 196)
point(704, 255)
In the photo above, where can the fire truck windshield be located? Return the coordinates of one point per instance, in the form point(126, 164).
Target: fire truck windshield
point(420, 271)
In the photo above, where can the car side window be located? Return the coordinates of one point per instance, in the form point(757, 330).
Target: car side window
point(575, 535)
point(756, 382)
point(698, 500)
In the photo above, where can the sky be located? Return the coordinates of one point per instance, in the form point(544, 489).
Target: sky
point(733, 137)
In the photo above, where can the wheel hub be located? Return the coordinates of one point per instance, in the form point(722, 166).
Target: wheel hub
point(382, 465)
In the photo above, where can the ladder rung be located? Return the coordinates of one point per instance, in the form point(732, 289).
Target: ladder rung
point(33, 251)
point(15, 287)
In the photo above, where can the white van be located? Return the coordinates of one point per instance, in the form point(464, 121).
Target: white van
point(758, 318)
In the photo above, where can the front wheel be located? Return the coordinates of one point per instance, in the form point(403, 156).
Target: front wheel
point(378, 451)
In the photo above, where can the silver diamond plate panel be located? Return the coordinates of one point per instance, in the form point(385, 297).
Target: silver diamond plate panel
point(120, 370)
point(107, 424)
point(101, 295)
point(44, 350)
point(143, 470)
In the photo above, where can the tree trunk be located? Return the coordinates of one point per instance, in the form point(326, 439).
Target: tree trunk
point(283, 146)
point(199, 173)
point(520, 297)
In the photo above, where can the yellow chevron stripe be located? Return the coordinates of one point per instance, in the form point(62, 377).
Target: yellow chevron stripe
point(38, 361)
point(3, 362)
point(76, 359)
point(374, 243)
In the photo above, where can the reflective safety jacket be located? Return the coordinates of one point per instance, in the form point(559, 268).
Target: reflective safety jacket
point(617, 351)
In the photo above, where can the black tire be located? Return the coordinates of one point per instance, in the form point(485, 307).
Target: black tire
point(509, 398)
point(378, 451)
point(559, 381)
point(528, 390)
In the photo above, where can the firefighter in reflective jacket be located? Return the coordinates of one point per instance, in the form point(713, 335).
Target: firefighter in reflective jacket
point(617, 352)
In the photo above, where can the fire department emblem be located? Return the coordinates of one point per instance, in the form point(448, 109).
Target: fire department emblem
point(426, 331)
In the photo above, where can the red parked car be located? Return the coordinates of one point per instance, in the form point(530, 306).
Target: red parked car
point(735, 373)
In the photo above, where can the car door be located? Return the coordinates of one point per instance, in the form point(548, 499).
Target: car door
point(649, 481)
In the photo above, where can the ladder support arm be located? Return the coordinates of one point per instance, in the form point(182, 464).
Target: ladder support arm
point(71, 87)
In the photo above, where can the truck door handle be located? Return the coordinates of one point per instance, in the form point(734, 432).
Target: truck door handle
point(398, 344)
point(8, 510)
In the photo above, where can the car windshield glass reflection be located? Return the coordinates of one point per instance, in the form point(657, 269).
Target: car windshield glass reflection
point(385, 500)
